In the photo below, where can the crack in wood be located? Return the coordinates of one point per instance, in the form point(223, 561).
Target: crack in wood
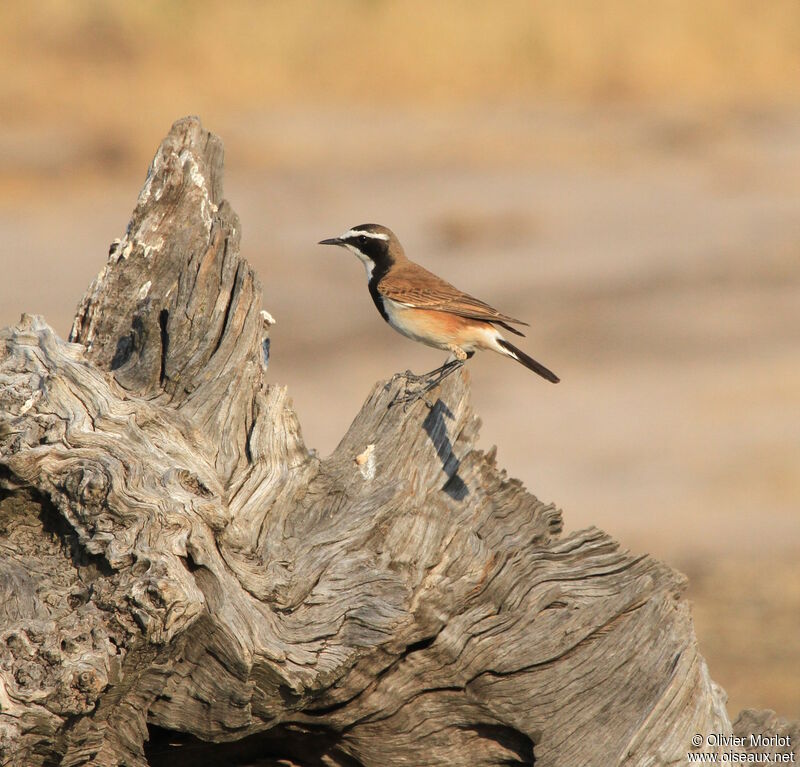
point(183, 580)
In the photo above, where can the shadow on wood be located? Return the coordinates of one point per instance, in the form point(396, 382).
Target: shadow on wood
point(177, 565)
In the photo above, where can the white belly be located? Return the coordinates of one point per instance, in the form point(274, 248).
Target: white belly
point(440, 330)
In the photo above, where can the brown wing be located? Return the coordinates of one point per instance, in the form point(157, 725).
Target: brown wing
point(421, 289)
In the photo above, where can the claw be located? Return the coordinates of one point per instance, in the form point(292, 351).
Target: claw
point(426, 382)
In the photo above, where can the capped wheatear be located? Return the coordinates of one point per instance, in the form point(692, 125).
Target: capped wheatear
point(425, 308)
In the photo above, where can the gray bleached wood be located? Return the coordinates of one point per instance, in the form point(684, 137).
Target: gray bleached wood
point(174, 556)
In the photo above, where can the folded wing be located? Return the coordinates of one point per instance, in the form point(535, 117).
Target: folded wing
point(423, 290)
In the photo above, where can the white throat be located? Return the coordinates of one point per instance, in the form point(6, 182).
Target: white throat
point(369, 264)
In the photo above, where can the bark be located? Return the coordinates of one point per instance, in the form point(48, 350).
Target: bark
point(177, 565)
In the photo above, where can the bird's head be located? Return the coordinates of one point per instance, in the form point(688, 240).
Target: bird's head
point(375, 245)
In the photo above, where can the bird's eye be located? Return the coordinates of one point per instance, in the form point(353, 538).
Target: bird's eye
point(362, 239)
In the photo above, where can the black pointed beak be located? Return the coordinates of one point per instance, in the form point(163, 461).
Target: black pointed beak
point(330, 241)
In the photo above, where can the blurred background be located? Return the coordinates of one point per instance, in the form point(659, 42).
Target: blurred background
point(625, 176)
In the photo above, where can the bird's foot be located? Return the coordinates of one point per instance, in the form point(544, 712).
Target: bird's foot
point(414, 388)
point(417, 386)
point(410, 377)
point(410, 395)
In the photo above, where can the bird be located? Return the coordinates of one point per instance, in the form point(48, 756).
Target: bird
point(426, 308)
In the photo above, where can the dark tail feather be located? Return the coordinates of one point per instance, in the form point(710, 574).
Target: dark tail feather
point(509, 328)
point(529, 362)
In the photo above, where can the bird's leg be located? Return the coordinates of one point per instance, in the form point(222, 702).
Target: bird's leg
point(456, 359)
point(442, 370)
point(433, 378)
point(421, 385)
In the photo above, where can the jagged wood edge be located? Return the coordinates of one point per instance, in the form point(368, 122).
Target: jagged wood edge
point(419, 598)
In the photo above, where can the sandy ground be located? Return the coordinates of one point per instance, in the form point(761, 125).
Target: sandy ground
point(654, 253)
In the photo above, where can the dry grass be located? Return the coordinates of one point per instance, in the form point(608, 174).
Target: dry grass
point(126, 62)
point(98, 82)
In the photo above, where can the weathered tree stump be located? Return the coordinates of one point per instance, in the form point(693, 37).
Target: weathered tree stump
point(177, 564)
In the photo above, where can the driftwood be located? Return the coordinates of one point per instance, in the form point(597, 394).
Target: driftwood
point(177, 565)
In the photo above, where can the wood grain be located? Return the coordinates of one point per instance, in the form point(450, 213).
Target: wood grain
point(175, 560)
